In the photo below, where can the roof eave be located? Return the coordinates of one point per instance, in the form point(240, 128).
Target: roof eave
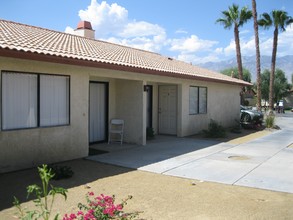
point(81, 62)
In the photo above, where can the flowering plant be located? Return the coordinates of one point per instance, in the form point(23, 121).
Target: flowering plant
point(101, 208)
point(43, 203)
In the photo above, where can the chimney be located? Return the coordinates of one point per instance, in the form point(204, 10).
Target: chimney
point(84, 29)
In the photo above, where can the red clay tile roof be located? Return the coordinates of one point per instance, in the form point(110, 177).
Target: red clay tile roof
point(30, 39)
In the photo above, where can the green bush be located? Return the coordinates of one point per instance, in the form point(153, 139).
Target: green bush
point(43, 205)
point(101, 207)
point(270, 121)
point(215, 130)
point(150, 133)
point(246, 102)
point(61, 172)
point(236, 129)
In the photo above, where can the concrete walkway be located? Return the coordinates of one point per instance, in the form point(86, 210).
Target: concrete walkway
point(265, 163)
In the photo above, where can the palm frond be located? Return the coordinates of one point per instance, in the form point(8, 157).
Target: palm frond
point(265, 21)
point(281, 19)
point(234, 13)
point(245, 15)
point(225, 20)
point(289, 21)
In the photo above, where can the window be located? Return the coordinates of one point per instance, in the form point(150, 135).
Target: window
point(54, 100)
point(193, 100)
point(34, 100)
point(19, 100)
point(197, 100)
point(202, 100)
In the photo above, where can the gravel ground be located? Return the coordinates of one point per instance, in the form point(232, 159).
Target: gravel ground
point(156, 196)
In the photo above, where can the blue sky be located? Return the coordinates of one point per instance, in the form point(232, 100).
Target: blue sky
point(184, 29)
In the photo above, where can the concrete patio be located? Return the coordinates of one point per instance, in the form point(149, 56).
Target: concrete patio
point(265, 163)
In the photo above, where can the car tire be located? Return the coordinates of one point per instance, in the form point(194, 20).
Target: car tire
point(245, 118)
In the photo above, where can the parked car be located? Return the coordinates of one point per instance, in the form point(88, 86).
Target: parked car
point(250, 117)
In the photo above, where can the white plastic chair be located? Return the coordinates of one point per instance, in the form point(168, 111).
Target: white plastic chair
point(116, 128)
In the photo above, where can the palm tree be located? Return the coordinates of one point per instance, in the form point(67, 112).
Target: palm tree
point(279, 20)
point(257, 55)
point(236, 18)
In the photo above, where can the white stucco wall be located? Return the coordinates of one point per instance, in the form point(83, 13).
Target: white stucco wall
point(31, 147)
point(224, 103)
point(130, 107)
point(26, 148)
point(223, 106)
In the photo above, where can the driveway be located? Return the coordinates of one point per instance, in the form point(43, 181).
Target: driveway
point(265, 163)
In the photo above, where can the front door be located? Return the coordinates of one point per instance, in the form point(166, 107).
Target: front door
point(168, 110)
point(98, 112)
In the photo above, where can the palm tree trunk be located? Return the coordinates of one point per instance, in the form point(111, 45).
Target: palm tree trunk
point(273, 66)
point(239, 61)
point(257, 55)
point(238, 52)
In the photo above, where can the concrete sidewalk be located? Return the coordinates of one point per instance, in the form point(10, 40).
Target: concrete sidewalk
point(265, 163)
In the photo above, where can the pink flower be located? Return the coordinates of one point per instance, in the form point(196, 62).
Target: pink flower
point(91, 193)
point(109, 211)
point(79, 213)
point(72, 216)
point(89, 215)
point(119, 207)
point(102, 206)
point(66, 217)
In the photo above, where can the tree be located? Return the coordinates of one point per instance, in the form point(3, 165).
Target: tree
point(257, 55)
point(233, 72)
point(279, 20)
point(281, 85)
point(265, 86)
point(291, 83)
point(236, 18)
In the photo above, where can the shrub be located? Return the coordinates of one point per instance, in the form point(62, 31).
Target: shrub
point(101, 208)
point(150, 133)
point(61, 172)
point(42, 202)
point(246, 102)
point(236, 128)
point(270, 121)
point(215, 130)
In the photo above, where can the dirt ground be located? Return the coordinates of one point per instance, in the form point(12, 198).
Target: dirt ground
point(156, 196)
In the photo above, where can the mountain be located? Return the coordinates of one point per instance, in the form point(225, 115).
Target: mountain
point(284, 63)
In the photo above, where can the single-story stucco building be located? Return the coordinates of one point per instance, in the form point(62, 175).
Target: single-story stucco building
point(59, 92)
